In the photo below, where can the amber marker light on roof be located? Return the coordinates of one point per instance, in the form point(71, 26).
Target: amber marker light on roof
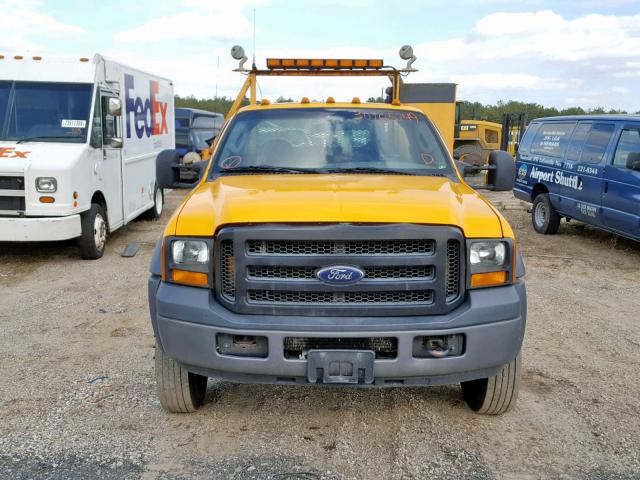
point(324, 63)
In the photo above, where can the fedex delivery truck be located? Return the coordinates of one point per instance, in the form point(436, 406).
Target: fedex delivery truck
point(78, 147)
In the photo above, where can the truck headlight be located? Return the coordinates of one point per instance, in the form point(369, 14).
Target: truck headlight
point(490, 262)
point(188, 261)
point(190, 252)
point(46, 185)
point(487, 254)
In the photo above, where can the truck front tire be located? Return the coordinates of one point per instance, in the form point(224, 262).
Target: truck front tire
point(155, 211)
point(544, 217)
point(94, 228)
point(178, 390)
point(494, 395)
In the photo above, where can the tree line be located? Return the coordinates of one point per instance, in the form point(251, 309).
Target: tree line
point(468, 110)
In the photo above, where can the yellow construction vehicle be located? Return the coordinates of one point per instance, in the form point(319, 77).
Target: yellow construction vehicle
point(475, 140)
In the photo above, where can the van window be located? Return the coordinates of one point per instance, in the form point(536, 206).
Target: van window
point(109, 123)
point(597, 142)
point(628, 150)
point(527, 140)
point(577, 141)
point(552, 139)
point(202, 121)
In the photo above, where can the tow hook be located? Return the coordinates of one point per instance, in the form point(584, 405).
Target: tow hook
point(437, 347)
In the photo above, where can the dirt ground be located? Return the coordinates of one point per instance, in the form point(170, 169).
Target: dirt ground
point(77, 386)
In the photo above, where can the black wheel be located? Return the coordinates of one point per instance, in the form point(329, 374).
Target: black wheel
point(155, 212)
point(178, 390)
point(494, 395)
point(544, 217)
point(94, 233)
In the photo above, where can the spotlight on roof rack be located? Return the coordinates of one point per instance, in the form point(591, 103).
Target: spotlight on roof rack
point(406, 53)
point(237, 52)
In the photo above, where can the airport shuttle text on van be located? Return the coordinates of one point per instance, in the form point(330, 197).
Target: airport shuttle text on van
point(78, 147)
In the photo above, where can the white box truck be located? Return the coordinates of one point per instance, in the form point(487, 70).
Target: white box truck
point(78, 147)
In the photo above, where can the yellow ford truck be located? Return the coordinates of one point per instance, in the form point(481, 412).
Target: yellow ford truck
point(333, 244)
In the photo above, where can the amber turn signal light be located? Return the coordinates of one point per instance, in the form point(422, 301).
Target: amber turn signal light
point(488, 279)
point(47, 200)
point(198, 279)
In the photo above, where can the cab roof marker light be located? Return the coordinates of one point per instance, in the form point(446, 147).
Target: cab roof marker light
point(304, 100)
point(324, 63)
point(355, 100)
point(331, 100)
point(264, 101)
point(84, 59)
point(37, 58)
point(18, 57)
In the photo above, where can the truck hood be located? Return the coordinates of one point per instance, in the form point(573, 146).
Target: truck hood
point(41, 156)
point(334, 198)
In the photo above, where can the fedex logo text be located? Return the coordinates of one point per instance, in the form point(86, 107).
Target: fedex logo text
point(145, 113)
point(10, 152)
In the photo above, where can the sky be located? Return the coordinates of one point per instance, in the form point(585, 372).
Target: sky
point(569, 53)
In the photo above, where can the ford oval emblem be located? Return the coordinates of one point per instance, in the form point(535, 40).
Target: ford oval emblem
point(339, 275)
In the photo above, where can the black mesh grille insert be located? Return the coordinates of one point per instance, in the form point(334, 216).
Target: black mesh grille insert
point(227, 269)
point(400, 272)
point(423, 297)
point(347, 247)
point(11, 183)
point(297, 347)
point(453, 269)
point(12, 203)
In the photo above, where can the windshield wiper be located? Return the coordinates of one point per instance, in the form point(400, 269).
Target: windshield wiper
point(369, 170)
point(45, 137)
point(270, 169)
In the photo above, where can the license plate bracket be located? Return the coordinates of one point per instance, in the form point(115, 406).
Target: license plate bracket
point(340, 366)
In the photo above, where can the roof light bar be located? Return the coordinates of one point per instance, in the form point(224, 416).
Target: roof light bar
point(324, 64)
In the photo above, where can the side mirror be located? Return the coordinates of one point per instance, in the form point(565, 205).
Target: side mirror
point(168, 168)
point(501, 174)
point(114, 107)
point(633, 161)
point(116, 142)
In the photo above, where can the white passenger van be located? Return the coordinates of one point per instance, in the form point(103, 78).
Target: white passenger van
point(78, 147)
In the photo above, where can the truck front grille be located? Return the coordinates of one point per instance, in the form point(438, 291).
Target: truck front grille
point(408, 269)
point(11, 183)
point(11, 204)
point(424, 272)
point(423, 297)
point(346, 247)
point(453, 269)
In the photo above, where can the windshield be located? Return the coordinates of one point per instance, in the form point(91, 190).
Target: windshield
point(326, 140)
point(44, 112)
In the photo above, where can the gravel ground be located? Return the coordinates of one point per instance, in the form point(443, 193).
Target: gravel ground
point(77, 385)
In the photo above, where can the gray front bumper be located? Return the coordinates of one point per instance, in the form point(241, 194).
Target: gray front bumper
point(186, 321)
